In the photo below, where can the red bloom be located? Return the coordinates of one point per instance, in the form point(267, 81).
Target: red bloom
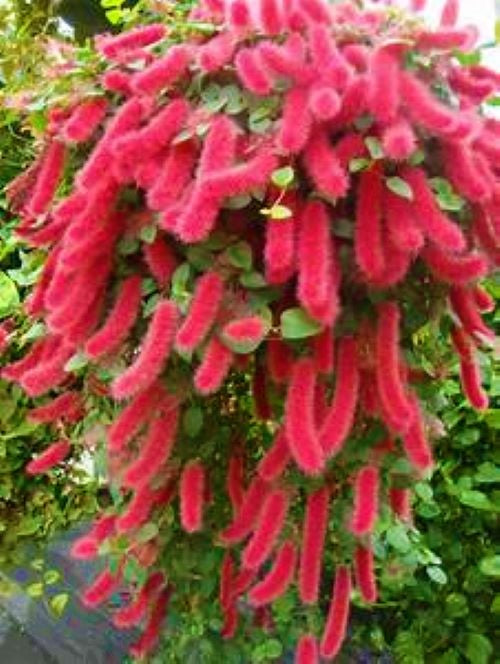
point(274, 462)
point(307, 650)
point(132, 614)
point(484, 301)
point(217, 52)
point(464, 306)
point(85, 548)
point(279, 253)
point(160, 260)
point(400, 221)
point(238, 15)
point(399, 140)
point(364, 573)
point(175, 174)
point(226, 580)
point(453, 268)
point(112, 47)
point(84, 120)
point(48, 179)
point(391, 388)
point(163, 72)
point(245, 330)
point(340, 417)
point(383, 95)
point(101, 589)
point(235, 481)
point(153, 355)
point(315, 10)
point(66, 406)
point(324, 167)
point(149, 638)
point(137, 511)
point(368, 233)
point(323, 350)
point(338, 614)
point(424, 108)
point(296, 121)
point(202, 312)
point(415, 442)
point(271, 18)
point(251, 72)
point(247, 515)
point(324, 102)
point(300, 427)
point(49, 458)
point(365, 509)
point(120, 321)
point(215, 366)
point(132, 418)
point(313, 543)
point(448, 39)
point(191, 492)
point(279, 360)
point(269, 526)
point(400, 501)
point(279, 577)
point(118, 81)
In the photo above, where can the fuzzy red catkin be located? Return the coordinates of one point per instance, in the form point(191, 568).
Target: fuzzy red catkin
point(279, 360)
point(464, 306)
point(399, 140)
point(271, 18)
point(315, 10)
point(101, 589)
point(300, 426)
point(400, 501)
point(285, 62)
point(133, 416)
point(216, 364)
point(174, 176)
point(400, 222)
point(191, 491)
point(207, 297)
point(485, 233)
point(365, 510)
point(279, 252)
point(341, 413)
point(132, 614)
point(85, 548)
point(315, 262)
point(449, 13)
point(118, 81)
point(120, 320)
point(219, 146)
point(16, 370)
point(49, 373)
point(368, 231)
point(323, 351)
point(307, 651)
point(49, 458)
point(137, 510)
point(84, 120)
point(296, 121)
point(364, 573)
point(453, 268)
point(484, 301)
point(470, 377)
point(269, 526)
point(230, 622)
point(274, 462)
point(391, 388)
point(153, 355)
point(313, 543)
point(338, 614)
point(238, 15)
point(383, 91)
point(48, 179)
point(217, 52)
point(462, 170)
point(324, 167)
point(226, 580)
point(156, 448)
point(251, 72)
point(66, 406)
point(324, 102)
point(250, 509)
point(244, 330)
point(111, 47)
point(149, 638)
point(279, 577)
point(234, 481)
point(162, 72)
point(447, 39)
point(424, 108)
point(160, 260)
point(415, 441)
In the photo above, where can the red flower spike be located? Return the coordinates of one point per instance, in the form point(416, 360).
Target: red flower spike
point(248, 513)
point(160, 260)
point(151, 635)
point(340, 417)
point(174, 176)
point(202, 312)
point(217, 52)
point(452, 268)
point(153, 355)
point(48, 179)
point(415, 442)
point(49, 458)
point(269, 526)
point(163, 72)
point(133, 417)
point(279, 360)
point(324, 168)
point(400, 501)
point(191, 496)
point(84, 120)
point(470, 377)
point(391, 388)
point(132, 614)
point(230, 622)
point(215, 366)
point(324, 102)
point(271, 19)
point(484, 301)
point(464, 306)
point(245, 330)
point(66, 406)
point(307, 651)
point(226, 580)
point(364, 573)
point(400, 221)
point(112, 47)
point(85, 548)
point(368, 232)
point(448, 39)
point(296, 121)
point(399, 141)
point(280, 247)
point(251, 72)
point(365, 511)
point(278, 579)
point(338, 614)
point(313, 543)
point(101, 589)
point(315, 10)
point(137, 511)
point(238, 15)
point(300, 427)
point(461, 167)
point(274, 462)
point(323, 351)
point(117, 81)
point(383, 94)
point(235, 481)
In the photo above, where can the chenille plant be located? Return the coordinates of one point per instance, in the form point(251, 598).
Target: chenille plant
point(264, 202)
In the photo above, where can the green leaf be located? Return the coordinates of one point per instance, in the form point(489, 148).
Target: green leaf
point(9, 297)
point(277, 212)
point(283, 177)
point(180, 279)
point(35, 590)
point(253, 280)
point(51, 576)
point(487, 473)
point(274, 648)
point(244, 346)
point(424, 491)
point(418, 157)
point(297, 324)
point(148, 532)
point(478, 649)
point(359, 164)
point(76, 362)
point(148, 233)
point(240, 256)
point(192, 421)
point(475, 499)
point(436, 574)
point(374, 147)
point(400, 187)
point(58, 603)
point(492, 418)
point(200, 258)
point(490, 566)
point(237, 202)
point(37, 564)
point(398, 538)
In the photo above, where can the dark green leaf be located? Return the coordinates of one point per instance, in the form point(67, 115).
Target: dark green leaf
point(192, 421)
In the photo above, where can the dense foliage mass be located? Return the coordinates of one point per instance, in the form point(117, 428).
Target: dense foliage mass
point(259, 210)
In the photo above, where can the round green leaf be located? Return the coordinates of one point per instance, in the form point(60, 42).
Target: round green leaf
point(490, 566)
point(58, 603)
point(283, 177)
point(297, 324)
point(9, 297)
point(400, 187)
point(192, 421)
point(436, 574)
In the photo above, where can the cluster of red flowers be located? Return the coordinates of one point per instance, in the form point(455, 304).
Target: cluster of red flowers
point(356, 118)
